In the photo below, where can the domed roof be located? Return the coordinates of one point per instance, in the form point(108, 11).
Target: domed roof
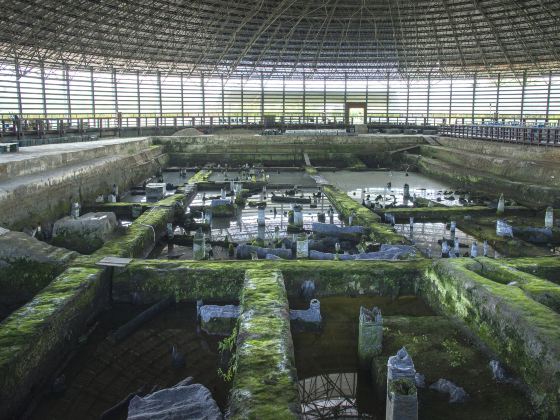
point(324, 37)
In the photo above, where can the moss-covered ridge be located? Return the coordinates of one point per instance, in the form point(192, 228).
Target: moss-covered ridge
point(447, 213)
point(147, 281)
point(35, 339)
point(200, 176)
point(265, 381)
point(22, 278)
point(484, 228)
point(540, 290)
point(144, 232)
point(346, 206)
point(522, 332)
point(545, 267)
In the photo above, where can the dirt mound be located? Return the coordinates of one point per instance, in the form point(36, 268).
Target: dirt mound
point(188, 132)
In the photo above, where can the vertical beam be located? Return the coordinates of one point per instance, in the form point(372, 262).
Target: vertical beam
point(283, 99)
point(138, 92)
point(119, 120)
point(139, 105)
point(18, 86)
point(324, 99)
point(242, 109)
point(345, 89)
point(387, 98)
point(473, 99)
point(92, 91)
point(450, 98)
point(497, 112)
point(182, 101)
point(262, 98)
point(346, 110)
point(223, 103)
point(548, 96)
point(43, 89)
point(68, 101)
point(203, 99)
point(428, 99)
point(303, 101)
point(523, 88)
point(114, 73)
point(159, 94)
point(367, 101)
point(407, 99)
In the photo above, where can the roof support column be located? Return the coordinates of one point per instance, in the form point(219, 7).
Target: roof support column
point(548, 96)
point(242, 113)
point(303, 102)
point(139, 105)
point(473, 99)
point(407, 98)
point(43, 90)
point(159, 94)
point(283, 99)
point(523, 88)
point(68, 101)
point(428, 99)
point(262, 99)
point(138, 92)
point(182, 100)
point(18, 86)
point(92, 91)
point(497, 112)
point(324, 99)
point(387, 99)
point(119, 120)
point(203, 99)
point(223, 103)
point(345, 88)
point(367, 101)
point(20, 104)
point(450, 98)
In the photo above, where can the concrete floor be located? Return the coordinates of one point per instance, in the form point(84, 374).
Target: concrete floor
point(33, 152)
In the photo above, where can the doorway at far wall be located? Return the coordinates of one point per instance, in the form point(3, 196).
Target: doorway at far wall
point(355, 113)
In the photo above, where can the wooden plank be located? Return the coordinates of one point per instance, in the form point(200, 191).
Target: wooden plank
point(114, 262)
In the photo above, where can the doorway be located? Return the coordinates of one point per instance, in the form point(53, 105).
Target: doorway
point(355, 113)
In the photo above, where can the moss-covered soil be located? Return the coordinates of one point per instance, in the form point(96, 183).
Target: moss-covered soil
point(524, 334)
point(265, 381)
point(364, 217)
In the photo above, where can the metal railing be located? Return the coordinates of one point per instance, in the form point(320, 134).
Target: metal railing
point(528, 135)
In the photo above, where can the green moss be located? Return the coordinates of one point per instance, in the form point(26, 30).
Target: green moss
point(540, 290)
point(200, 176)
point(439, 349)
point(523, 333)
point(22, 278)
point(310, 170)
point(364, 217)
point(484, 228)
point(545, 267)
point(35, 338)
point(402, 386)
point(140, 237)
point(265, 383)
point(445, 212)
point(223, 210)
point(151, 280)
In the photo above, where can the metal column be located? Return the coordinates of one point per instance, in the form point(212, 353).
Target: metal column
point(43, 90)
point(473, 99)
point(521, 113)
point(68, 98)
